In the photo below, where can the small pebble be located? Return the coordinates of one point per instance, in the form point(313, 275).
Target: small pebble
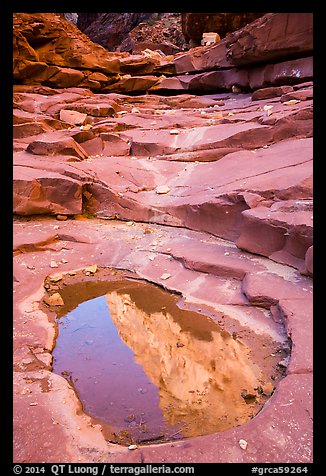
point(243, 444)
point(61, 217)
point(132, 447)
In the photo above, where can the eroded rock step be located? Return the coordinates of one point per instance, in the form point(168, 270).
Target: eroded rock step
point(225, 164)
point(254, 297)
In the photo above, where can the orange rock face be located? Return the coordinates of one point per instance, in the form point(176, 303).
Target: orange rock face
point(50, 50)
point(51, 39)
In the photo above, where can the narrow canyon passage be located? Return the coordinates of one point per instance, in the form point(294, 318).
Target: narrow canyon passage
point(163, 247)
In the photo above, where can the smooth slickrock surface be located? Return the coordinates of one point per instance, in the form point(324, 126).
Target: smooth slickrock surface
point(231, 169)
point(209, 196)
point(209, 272)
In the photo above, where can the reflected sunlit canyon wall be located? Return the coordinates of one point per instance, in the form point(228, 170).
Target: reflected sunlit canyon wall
point(200, 370)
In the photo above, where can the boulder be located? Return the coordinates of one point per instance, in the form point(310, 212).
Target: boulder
point(132, 83)
point(29, 129)
point(65, 78)
point(55, 146)
point(40, 192)
point(224, 79)
point(72, 117)
point(271, 92)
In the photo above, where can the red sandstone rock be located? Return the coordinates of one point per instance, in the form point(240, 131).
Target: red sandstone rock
point(65, 78)
point(132, 83)
point(285, 73)
point(208, 258)
point(162, 31)
point(273, 36)
point(29, 129)
point(45, 65)
point(72, 117)
point(272, 92)
point(271, 430)
point(150, 142)
point(295, 314)
point(38, 192)
point(266, 289)
point(107, 144)
point(65, 146)
point(301, 95)
point(50, 50)
point(279, 35)
point(95, 108)
point(233, 173)
point(55, 41)
point(137, 201)
point(203, 58)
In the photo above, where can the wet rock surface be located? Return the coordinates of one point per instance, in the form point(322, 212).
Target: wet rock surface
point(158, 392)
point(209, 196)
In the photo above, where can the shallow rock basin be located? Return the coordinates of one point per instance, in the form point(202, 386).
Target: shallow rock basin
point(148, 369)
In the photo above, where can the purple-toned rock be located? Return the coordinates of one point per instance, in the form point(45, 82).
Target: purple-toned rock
point(109, 29)
point(282, 232)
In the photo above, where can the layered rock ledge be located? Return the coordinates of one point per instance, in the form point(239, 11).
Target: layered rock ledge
point(275, 49)
point(210, 184)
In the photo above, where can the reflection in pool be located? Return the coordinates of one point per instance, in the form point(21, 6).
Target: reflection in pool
point(152, 370)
